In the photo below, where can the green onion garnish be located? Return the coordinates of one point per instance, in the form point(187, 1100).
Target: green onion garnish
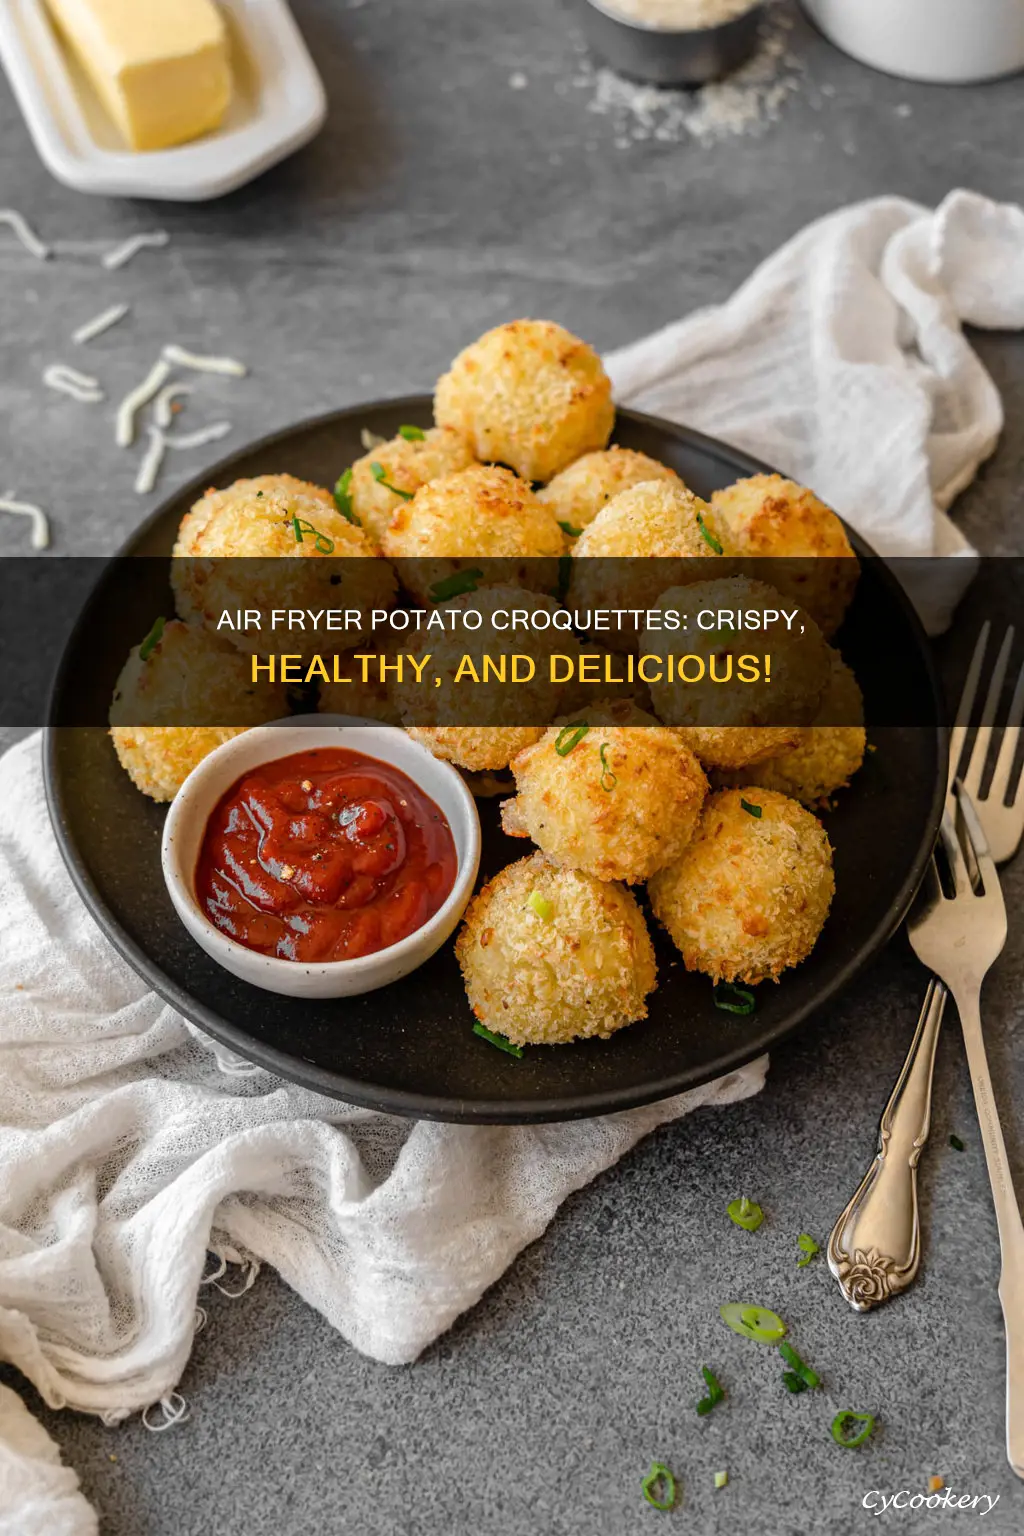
point(455, 584)
point(659, 1473)
point(152, 640)
point(412, 434)
point(322, 544)
point(570, 736)
point(752, 1322)
point(731, 999)
point(343, 497)
point(793, 1383)
point(954, 1141)
point(809, 1377)
point(745, 1213)
point(569, 529)
point(716, 1392)
point(751, 810)
point(544, 909)
point(809, 1248)
point(848, 1441)
point(380, 475)
point(721, 1478)
point(707, 535)
point(608, 778)
point(498, 1040)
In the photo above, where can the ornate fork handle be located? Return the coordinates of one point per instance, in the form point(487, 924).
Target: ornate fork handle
point(875, 1246)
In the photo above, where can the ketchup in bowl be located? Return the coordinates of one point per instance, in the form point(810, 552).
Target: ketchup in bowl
point(324, 855)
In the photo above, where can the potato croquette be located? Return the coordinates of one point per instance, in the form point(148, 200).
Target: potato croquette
point(751, 893)
point(654, 519)
point(259, 548)
point(616, 801)
point(186, 664)
point(406, 463)
point(577, 495)
point(729, 722)
point(528, 394)
point(590, 681)
point(551, 955)
point(447, 719)
point(482, 513)
point(370, 700)
point(827, 756)
point(767, 517)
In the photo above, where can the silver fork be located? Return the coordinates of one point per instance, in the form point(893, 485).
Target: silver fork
point(960, 937)
point(883, 1218)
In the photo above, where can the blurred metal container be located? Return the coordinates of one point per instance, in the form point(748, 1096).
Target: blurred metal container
point(953, 41)
point(669, 57)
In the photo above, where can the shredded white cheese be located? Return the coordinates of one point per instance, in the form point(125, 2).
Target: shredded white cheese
point(135, 399)
point(40, 525)
point(163, 412)
point(202, 364)
point(202, 436)
point(370, 440)
point(25, 233)
point(93, 328)
point(152, 459)
point(68, 381)
point(124, 253)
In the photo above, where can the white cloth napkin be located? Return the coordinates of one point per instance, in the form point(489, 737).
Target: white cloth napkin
point(38, 1497)
point(841, 361)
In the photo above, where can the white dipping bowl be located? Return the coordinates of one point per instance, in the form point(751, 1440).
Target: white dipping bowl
point(213, 777)
point(956, 42)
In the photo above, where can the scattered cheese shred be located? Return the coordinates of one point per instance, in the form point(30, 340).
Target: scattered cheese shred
point(152, 459)
point(202, 436)
point(131, 247)
point(68, 381)
point(40, 525)
point(202, 364)
point(24, 232)
point(163, 406)
point(101, 323)
point(135, 399)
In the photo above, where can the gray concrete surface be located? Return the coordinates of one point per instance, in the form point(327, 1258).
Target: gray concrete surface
point(440, 200)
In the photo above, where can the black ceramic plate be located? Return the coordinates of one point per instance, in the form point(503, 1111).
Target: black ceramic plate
point(409, 1048)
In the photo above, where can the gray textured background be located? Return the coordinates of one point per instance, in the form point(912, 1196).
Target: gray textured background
point(438, 201)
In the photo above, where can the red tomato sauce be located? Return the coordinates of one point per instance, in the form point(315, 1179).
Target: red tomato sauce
point(324, 855)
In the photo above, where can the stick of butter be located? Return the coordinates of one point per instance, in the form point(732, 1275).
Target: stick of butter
point(160, 67)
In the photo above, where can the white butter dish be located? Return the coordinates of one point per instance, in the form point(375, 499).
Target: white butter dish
point(279, 104)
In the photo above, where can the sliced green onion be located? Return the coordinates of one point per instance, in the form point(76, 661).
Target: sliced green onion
point(707, 535)
point(152, 640)
point(498, 1040)
point(716, 1391)
point(809, 1377)
point(608, 778)
point(412, 434)
point(322, 544)
point(343, 497)
point(809, 1248)
point(954, 1141)
point(745, 1213)
point(732, 999)
point(752, 1322)
point(659, 1473)
point(455, 584)
point(751, 810)
point(569, 529)
point(570, 736)
point(721, 1478)
point(793, 1383)
point(380, 475)
point(540, 904)
point(848, 1442)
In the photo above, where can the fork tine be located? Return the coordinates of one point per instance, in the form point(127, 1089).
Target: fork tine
point(955, 855)
point(1008, 749)
point(979, 843)
point(963, 714)
point(983, 740)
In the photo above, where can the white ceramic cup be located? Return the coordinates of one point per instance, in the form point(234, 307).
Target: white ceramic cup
point(954, 41)
point(209, 780)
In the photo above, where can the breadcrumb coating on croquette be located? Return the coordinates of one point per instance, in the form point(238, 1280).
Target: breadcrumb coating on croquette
point(187, 673)
point(578, 493)
point(529, 394)
point(479, 748)
point(621, 803)
point(585, 968)
point(768, 517)
point(193, 524)
point(750, 895)
point(407, 464)
point(827, 755)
